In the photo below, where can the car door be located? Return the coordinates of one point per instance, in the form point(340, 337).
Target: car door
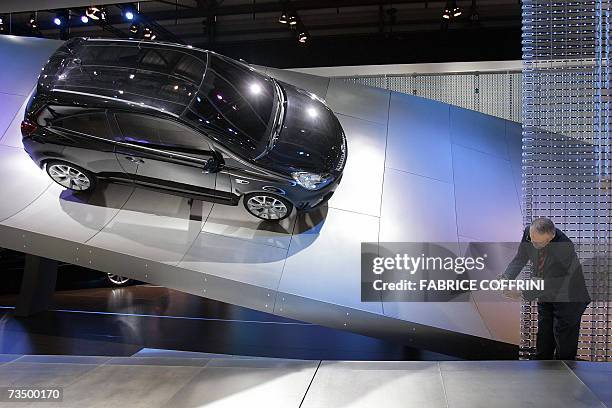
point(164, 154)
point(88, 142)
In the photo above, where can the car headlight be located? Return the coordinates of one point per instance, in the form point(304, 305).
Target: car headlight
point(312, 181)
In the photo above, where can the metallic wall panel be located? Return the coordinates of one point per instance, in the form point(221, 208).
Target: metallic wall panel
point(25, 183)
point(485, 182)
point(358, 101)
point(514, 132)
point(236, 259)
point(12, 135)
point(235, 222)
point(27, 57)
point(479, 132)
point(417, 209)
point(364, 168)
point(498, 313)
point(10, 107)
point(419, 137)
point(73, 218)
point(324, 259)
point(460, 317)
point(150, 225)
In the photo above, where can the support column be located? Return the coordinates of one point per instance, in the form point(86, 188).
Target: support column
point(196, 210)
point(37, 286)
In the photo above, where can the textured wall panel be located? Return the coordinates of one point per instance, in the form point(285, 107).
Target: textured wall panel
point(566, 147)
point(493, 93)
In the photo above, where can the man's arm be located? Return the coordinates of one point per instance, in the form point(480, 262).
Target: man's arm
point(566, 255)
point(520, 259)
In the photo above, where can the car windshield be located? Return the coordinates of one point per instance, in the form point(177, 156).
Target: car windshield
point(235, 106)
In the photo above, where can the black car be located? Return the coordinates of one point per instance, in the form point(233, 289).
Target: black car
point(183, 120)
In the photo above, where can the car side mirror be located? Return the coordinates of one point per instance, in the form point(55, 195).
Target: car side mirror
point(212, 166)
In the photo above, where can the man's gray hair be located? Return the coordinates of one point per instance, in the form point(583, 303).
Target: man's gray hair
point(543, 226)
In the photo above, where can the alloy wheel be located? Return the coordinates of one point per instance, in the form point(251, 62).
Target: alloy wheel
point(266, 207)
point(117, 279)
point(69, 177)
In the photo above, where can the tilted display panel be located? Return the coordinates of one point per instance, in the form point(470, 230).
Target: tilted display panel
point(566, 148)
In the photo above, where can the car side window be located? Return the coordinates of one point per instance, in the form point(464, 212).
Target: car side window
point(94, 124)
point(161, 134)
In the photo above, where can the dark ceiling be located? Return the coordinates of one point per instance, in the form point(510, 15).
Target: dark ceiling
point(340, 32)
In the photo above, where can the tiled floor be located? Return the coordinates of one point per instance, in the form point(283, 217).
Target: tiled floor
point(162, 378)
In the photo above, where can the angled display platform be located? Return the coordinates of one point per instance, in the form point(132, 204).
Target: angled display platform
point(417, 170)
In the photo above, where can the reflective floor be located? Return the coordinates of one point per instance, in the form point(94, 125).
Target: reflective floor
point(158, 378)
point(122, 321)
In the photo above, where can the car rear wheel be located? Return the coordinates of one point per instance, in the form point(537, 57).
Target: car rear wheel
point(267, 207)
point(118, 280)
point(70, 176)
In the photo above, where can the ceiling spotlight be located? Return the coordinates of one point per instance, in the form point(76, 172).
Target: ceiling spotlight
point(129, 12)
point(283, 18)
point(60, 18)
point(292, 20)
point(451, 10)
point(134, 28)
point(32, 21)
point(84, 19)
point(148, 34)
point(303, 37)
point(95, 13)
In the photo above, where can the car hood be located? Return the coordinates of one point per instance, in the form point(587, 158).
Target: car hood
point(311, 138)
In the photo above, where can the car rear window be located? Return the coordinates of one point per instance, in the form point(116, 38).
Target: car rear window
point(155, 59)
point(94, 124)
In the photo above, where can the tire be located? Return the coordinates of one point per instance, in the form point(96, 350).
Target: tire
point(267, 207)
point(70, 176)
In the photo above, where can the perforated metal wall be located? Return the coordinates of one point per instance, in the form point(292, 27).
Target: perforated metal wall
point(493, 93)
point(566, 147)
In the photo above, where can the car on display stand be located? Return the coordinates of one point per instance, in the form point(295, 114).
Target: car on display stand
point(185, 121)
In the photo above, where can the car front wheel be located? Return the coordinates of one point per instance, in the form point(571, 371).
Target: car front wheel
point(70, 176)
point(267, 207)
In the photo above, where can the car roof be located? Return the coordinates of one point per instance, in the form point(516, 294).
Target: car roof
point(158, 76)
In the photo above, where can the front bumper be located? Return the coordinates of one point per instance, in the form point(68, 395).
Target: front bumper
point(315, 199)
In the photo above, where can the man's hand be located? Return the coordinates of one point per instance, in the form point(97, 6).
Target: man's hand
point(513, 294)
point(510, 294)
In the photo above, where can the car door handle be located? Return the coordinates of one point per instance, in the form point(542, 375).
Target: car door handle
point(134, 159)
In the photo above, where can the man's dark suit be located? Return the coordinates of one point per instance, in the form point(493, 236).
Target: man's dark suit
point(565, 296)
